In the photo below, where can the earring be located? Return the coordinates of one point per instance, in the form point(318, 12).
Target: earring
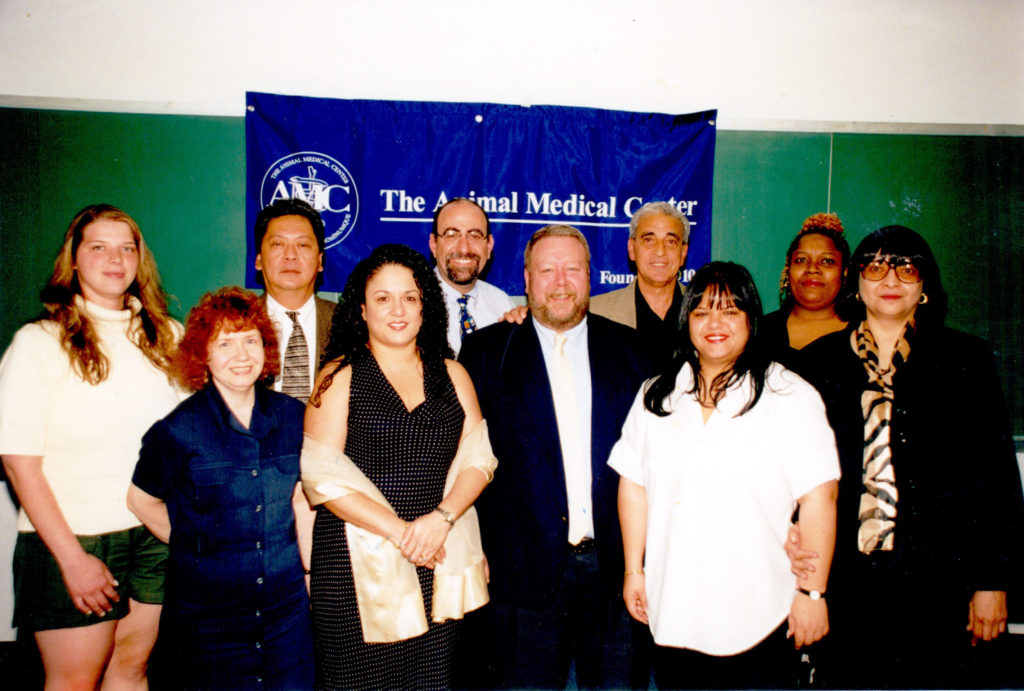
point(924, 299)
point(784, 285)
point(858, 297)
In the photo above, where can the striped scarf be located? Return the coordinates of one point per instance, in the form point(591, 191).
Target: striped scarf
point(878, 502)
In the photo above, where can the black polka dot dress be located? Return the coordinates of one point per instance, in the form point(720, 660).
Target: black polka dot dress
point(406, 454)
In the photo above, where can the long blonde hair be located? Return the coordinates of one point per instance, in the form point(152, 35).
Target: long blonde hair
point(154, 332)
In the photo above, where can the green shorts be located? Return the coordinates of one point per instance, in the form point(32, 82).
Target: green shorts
point(41, 601)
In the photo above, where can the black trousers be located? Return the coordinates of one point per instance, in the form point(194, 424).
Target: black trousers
point(535, 647)
point(771, 664)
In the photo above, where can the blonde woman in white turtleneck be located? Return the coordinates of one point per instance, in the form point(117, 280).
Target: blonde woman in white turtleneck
point(78, 389)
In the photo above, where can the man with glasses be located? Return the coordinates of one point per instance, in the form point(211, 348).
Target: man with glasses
point(461, 243)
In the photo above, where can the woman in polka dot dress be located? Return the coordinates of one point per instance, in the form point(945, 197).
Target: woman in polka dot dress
point(392, 399)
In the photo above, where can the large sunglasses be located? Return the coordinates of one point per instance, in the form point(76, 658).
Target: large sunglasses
point(879, 268)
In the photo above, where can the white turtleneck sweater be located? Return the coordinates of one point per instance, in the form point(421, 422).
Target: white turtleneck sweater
point(88, 436)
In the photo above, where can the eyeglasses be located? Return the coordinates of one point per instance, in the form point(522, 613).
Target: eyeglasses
point(452, 235)
point(879, 268)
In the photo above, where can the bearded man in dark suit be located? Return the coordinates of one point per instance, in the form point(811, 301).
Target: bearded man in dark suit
point(555, 391)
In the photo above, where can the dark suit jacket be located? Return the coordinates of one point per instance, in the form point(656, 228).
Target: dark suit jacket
point(324, 312)
point(959, 512)
point(524, 511)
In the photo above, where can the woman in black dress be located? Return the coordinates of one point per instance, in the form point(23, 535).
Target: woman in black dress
point(816, 265)
point(394, 402)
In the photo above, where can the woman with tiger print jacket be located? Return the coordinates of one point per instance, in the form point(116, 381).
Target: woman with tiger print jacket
point(929, 502)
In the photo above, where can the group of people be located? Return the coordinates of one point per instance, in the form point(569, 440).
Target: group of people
point(659, 479)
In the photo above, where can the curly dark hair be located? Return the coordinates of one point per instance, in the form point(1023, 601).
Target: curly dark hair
point(229, 309)
point(350, 337)
point(897, 243)
point(722, 282)
point(827, 225)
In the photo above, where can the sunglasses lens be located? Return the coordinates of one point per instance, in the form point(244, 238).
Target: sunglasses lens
point(908, 273)
point(875, 271)
point(879, 268)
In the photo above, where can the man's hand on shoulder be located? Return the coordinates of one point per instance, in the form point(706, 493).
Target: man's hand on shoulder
point(516, 315)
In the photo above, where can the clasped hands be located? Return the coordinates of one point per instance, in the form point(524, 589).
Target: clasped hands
point(422, 540)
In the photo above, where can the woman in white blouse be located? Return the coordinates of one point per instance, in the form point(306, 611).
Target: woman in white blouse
point(716, 454)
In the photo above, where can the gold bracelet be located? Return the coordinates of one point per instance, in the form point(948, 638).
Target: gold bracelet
point(638, 572)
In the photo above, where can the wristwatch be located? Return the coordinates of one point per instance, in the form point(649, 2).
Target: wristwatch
point(446, 515)
point(813, 594)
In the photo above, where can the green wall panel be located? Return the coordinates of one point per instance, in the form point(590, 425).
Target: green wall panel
point(766, 184)
point(181, 178)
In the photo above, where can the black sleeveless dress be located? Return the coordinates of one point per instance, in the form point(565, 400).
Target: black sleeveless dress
point(406, 454)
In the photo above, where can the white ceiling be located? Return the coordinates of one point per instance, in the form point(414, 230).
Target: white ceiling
point(759, 63)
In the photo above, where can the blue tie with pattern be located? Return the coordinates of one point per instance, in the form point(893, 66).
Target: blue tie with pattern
point(465, 318)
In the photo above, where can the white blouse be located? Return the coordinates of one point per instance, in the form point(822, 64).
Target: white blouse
point(720, 497)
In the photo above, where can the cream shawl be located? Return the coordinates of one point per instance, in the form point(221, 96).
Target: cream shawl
point(387, 588)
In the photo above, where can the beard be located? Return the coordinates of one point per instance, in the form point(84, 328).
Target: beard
point(461, 276)
point(559, 318)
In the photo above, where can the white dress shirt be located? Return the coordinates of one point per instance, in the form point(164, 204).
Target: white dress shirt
point(486, 305)
point(719, 500)
point(283, 326)
point(578, 476)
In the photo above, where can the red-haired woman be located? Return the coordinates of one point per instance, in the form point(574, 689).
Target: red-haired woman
point(78, 388)
point(218, 480)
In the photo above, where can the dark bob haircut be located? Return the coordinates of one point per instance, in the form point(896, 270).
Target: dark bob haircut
point(723, 283)
point(288, 207)
point(350, 337)
point(898, 243)
point(230, 309)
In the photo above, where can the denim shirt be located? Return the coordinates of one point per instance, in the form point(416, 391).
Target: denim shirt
point(228, 492)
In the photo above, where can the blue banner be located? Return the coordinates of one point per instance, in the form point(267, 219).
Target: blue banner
point(377, 170)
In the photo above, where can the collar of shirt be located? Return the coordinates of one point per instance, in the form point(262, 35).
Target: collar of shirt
point(450, 294)
point(649, 323)
point(283, 324)
point(575, 338)
point(736, 396)
point(278, 311)
point(260, 422)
